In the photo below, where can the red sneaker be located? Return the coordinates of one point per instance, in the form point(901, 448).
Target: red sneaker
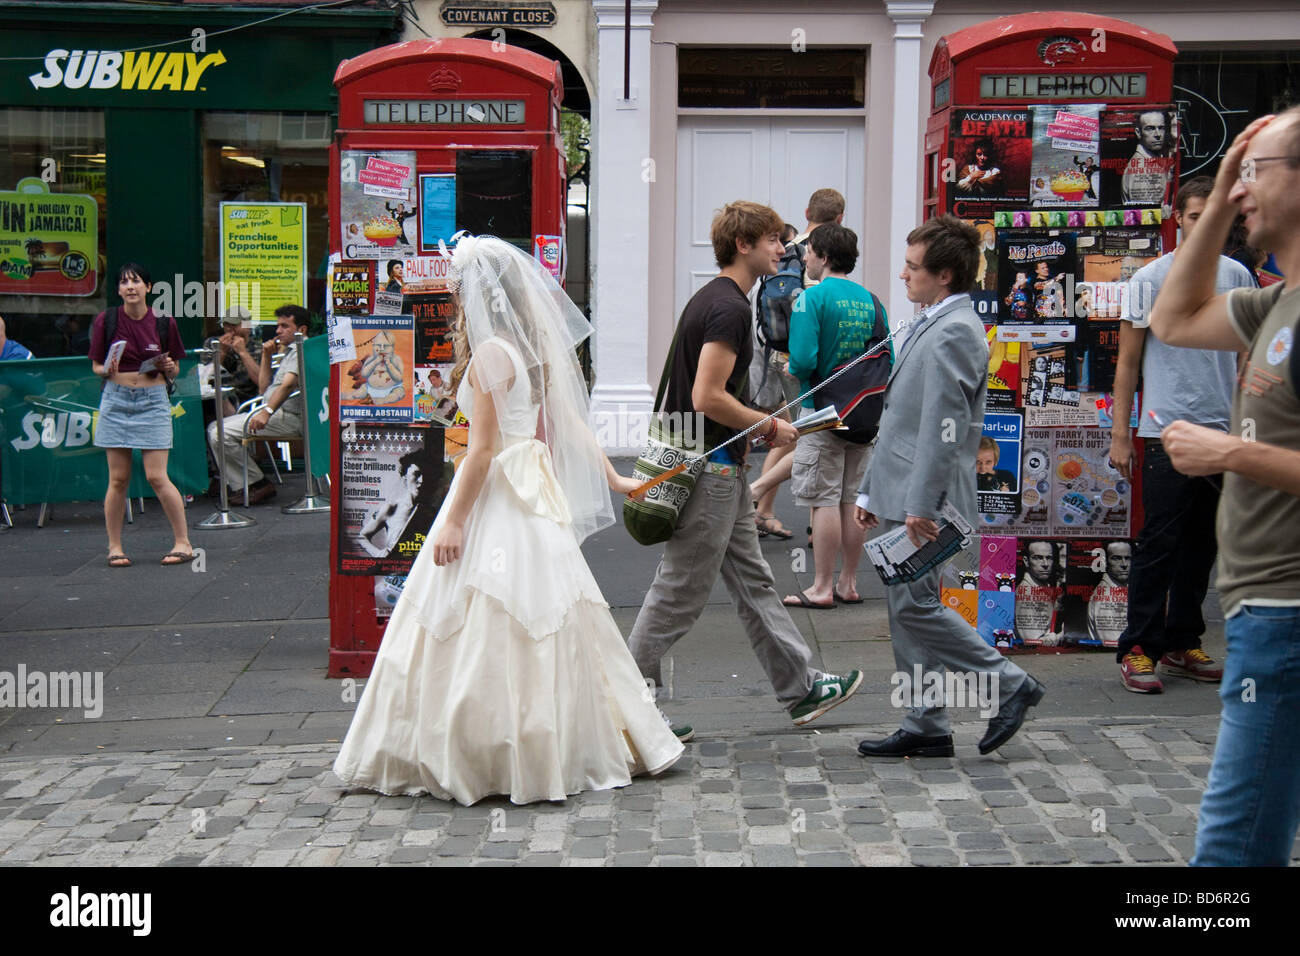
point(1195, 664)
point(1138, 673)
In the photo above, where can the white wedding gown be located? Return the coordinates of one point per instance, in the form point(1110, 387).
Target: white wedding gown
point(503, 672)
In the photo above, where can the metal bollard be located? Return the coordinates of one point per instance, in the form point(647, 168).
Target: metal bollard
point(311, 502)
point(223, 517)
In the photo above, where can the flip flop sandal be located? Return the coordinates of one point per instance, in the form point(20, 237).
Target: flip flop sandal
point(185, 558)
point(119, 561)
point(765, 528)
point(843, 600)
point(801, 600)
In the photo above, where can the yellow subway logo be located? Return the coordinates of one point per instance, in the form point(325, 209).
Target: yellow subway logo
point(109, 69)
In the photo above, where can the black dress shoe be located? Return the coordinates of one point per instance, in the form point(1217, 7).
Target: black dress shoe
point(1011, 715)
point(902, 744)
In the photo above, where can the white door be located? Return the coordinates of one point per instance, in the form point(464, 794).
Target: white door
point(779, 162)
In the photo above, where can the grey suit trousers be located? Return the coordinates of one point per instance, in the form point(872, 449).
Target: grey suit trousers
point(927, 633)
point(716, 533)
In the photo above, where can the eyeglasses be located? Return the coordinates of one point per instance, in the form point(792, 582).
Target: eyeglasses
point(1248, 165)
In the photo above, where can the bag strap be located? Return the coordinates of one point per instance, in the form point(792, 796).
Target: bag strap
point(668, 364)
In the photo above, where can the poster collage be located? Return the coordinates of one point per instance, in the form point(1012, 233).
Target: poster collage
point(1069, 200)
point(390, 318)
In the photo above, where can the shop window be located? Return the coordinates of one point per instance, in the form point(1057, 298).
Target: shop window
point(771, 78)
point(1219, 92)
point(52, 254)
point(268, 157)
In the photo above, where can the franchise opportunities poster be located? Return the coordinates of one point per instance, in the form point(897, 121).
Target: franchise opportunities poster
point(394, 481)
point(379, 385)
point(1139, 155)
point(991, 151)
point(376, 200)
point(1065, 171)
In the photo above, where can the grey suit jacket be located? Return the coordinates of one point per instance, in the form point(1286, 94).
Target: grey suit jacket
point(932, 421)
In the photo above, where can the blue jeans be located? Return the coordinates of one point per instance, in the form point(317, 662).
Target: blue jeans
point(1251, 806)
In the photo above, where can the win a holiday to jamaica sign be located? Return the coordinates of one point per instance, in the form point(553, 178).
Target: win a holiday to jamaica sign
point(49, 242)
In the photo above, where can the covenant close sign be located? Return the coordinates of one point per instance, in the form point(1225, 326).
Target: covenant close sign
point(486, 13)
point(444, 112)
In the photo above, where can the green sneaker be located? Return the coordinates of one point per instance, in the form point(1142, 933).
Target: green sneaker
point(826, 693)
point(682, 732)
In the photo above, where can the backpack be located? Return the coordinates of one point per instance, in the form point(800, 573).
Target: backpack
point(859, 394)
point(776, 298)
point(161, 326)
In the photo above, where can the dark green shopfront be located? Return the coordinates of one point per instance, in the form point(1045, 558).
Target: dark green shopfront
point(160, 113)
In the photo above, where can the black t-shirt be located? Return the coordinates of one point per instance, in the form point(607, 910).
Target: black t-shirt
point(719, 312)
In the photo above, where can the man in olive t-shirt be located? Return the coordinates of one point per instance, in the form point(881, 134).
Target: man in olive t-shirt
point(1251, 808)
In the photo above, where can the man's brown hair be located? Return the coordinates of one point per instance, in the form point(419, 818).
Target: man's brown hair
point(950, 243)
point(742, 220)
point(824, 206)
point(1198, 187)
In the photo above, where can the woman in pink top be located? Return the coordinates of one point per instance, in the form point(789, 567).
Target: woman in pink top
point(134, 410)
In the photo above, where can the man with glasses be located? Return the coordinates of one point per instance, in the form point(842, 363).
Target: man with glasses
point(1251, 807)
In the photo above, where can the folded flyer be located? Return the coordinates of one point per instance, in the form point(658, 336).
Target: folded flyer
point(898, 561)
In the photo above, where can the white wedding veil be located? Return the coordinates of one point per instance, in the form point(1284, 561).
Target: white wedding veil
point(508, 295)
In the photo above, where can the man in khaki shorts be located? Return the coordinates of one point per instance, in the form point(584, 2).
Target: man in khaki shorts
point(833, 323)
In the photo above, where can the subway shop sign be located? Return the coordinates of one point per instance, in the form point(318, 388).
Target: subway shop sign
point(131, 70)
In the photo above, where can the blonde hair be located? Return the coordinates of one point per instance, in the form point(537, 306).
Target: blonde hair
point(824, 206)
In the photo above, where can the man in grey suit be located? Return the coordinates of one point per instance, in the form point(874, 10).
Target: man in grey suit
point(925, 457)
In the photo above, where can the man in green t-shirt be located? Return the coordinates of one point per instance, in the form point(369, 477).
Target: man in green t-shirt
point(831, 324)
point(1251, 808)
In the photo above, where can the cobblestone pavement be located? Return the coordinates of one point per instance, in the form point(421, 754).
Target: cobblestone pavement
point(1065, 791)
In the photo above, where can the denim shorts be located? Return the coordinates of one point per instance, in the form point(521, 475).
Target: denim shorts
point(134, 417)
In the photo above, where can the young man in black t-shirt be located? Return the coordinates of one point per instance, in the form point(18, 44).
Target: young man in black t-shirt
point(716, 531)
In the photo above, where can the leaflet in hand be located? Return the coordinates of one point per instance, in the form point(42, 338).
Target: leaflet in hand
point(114, 355)
point(148, 365)
point(820, 420)
point(898, 561)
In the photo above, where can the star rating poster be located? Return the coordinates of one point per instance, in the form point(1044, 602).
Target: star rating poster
point(394, 481)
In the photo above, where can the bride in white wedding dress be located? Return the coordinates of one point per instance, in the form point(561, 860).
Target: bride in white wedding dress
point(501, 670)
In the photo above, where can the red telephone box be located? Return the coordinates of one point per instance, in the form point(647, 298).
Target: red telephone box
point(1015, 62)
point(1055, 135)
point(455, 134)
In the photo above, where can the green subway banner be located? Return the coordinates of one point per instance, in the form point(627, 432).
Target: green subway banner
point(48, 412)
point(316, 402)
